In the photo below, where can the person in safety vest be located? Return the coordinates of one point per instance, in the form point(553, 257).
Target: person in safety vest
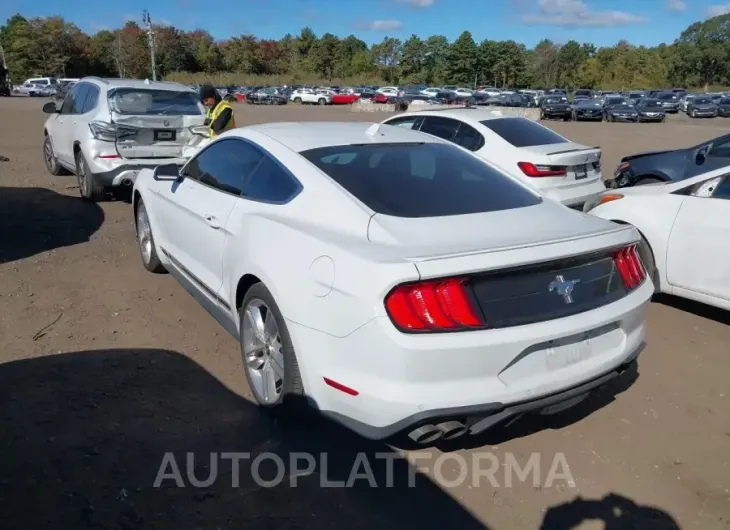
point(220, 113)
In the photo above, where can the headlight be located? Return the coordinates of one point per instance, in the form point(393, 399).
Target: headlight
point(601, 199)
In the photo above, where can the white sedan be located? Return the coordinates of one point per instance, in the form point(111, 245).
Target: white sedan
point(562, 170)
point(393, 279)
point(685, 228)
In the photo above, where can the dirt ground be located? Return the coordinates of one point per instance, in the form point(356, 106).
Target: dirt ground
point(105, 368)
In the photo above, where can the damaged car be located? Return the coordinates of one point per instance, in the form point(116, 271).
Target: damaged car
point(107, 130)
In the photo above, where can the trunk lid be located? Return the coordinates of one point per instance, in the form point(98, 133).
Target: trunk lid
point(157, 136)
point(517, 264)
point(583, 163)
point(442, 246)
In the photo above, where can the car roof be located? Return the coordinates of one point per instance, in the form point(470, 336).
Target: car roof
point(139, 83)
point(302, 136)
point(471, 114)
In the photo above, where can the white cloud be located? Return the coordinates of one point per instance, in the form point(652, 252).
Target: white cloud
point(417, 3)
point(676, 5)
point(575, 13)
point(379, 25)
point(719, 9)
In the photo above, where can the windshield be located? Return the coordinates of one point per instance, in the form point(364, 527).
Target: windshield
point(615, 101)
point(588, 103)
point(420, 180)
point(725, 101)
point(522, 132)
point(702, 101)
point(583, 93)
point(667, 97)
point(652, 103)
point(555, 101)
point(135, 101)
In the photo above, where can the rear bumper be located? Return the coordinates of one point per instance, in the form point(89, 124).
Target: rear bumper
point(578, 194)
point(480, 418)
point(403, 381)
point(128, 172)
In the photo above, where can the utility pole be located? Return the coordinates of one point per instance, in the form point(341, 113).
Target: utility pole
point(150, 34)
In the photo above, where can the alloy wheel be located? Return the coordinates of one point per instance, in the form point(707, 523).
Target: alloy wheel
point(262, 351)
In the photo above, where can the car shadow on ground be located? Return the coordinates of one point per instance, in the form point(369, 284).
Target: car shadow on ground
point(84, 438)
point(702, 310)
point(35, 220)
point(532, 423)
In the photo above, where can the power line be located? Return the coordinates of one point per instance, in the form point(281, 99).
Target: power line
point(150, 34)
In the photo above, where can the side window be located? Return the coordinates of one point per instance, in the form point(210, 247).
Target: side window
point(270, 183)
point(225, 165)
point(722, 191)
point(442, 127)
point(92, 98)
point(407, 122)
point(720, 149)
point(80, 99)
point(469, 138)
point(68, 103)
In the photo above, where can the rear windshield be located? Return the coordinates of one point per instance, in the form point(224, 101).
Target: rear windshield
point(137, 101)
point(419, 180)
point(522, 132)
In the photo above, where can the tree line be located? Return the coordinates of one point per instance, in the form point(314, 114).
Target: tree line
point(700, 56)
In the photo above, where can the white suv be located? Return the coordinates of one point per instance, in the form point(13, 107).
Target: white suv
point(107, 130)
point(308, 95)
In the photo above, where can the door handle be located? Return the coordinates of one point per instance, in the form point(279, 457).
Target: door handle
point(212, 221)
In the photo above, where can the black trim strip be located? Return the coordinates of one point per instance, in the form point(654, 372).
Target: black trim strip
point(196, 280)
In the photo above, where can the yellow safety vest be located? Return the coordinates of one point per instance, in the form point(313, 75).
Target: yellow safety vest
point(213, 114)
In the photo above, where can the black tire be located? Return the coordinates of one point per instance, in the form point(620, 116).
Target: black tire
point(321, 101)
point(291, 382)
point(152, 262)
point(89, 188)
point(567, 118)
point(298, 101)
point(647, 180)
point(52, 165)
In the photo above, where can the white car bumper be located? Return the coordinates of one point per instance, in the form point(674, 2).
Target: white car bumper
point(403, 381)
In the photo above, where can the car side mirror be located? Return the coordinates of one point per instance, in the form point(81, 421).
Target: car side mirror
point(50, 108)
point(701, 155)
point(167, 172)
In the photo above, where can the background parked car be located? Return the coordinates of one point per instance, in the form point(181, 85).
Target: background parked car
point(556, 107)
point(651, 110)
point(701, 107)
point(587, 109)
point(672, 165)
point(670, 101)
point(622, 112)
point(723, 107)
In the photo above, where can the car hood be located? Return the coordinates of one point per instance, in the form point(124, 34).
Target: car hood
point(556, 105)
point(646, 154)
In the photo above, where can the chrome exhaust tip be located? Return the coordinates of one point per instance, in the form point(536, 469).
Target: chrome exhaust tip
point(426, 434)
point(452, 429)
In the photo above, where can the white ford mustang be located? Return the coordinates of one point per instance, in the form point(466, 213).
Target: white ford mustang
point(685, 228)
point(396, 281)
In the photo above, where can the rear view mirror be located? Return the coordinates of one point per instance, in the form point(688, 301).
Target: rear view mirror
point(702, 154)
point(50, 108)
point(167, 172)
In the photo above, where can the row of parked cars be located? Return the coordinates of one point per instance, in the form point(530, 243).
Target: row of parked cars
point(307, 240)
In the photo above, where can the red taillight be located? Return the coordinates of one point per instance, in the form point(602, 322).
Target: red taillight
point(531, 170)
point(433, 305)
point(629, 267)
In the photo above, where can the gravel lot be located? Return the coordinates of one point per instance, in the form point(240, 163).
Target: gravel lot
point(105, 368)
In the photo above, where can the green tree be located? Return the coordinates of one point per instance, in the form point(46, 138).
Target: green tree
point(462, 60)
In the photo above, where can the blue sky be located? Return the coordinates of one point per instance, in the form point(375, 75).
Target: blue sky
point(603, 22)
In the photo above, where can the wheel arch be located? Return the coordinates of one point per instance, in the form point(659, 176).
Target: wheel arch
point(244, 284)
